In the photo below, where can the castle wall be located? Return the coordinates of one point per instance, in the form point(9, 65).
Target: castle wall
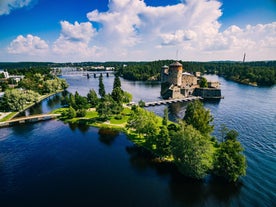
point(188, 81)
point(208, 92)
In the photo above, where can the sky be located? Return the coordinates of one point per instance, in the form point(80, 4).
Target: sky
point(137, 30)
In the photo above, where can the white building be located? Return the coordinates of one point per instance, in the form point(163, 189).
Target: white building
point(6, 74)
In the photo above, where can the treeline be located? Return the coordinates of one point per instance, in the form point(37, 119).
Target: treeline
point(22, 68)
point(190, 144)
point(260, 73)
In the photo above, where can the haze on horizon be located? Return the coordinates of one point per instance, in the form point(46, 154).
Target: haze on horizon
point(137, 30)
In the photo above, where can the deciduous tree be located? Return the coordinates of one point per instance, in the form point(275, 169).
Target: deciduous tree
point(200, 118)
point(193, 154)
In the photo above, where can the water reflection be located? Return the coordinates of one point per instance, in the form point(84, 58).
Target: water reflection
point(26, 128)
point(36, 109)
point(52, 102)
point(185, 190)
point(107, 136)
point(83, 127)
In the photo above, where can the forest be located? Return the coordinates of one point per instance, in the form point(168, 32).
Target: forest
point(261, 73)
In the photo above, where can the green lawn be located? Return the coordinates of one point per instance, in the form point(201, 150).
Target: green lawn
point(8, 117)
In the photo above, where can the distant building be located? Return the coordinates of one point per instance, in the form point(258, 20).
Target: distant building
point(6, 74)
point(178, 84)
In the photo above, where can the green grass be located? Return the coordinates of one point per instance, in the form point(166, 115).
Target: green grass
point(91, 114)
point(7, 118)
point(124, 119)
point(58, 111)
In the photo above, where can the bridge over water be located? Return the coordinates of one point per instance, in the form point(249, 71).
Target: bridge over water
point(76, 72)
point(28, 119)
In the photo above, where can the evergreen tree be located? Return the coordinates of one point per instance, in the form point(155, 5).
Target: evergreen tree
point(92, 98)
point(104, 107)
point(71, 113)
point(117, 95)
point(101, 87)
point(117, 81)
point(165, 117)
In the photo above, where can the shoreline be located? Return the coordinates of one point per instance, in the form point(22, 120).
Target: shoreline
point(16, 113)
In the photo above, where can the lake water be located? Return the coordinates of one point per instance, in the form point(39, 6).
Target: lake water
point(53, 164)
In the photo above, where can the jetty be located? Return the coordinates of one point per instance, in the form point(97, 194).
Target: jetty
point(28, 119)
point(169, 101)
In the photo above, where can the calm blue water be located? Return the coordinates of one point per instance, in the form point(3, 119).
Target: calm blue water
point(54, 164)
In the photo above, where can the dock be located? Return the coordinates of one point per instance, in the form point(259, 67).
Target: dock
point(28, 119)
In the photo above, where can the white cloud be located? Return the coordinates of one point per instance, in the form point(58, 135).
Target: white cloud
point(31, 45)
point(133, 25)
point(73, 42)
point(131, 30)
point(6, 6)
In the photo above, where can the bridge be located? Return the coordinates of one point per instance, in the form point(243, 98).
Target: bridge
point(77, 72)
point(169, 101)
point(28, 119)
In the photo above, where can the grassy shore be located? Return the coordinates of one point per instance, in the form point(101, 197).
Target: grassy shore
point(11, 115)
point(92, 119)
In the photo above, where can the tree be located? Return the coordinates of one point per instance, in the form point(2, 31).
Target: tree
point(203, 83)
point(101, 87)
point(71, 113)
point(104, 107)
point(4, 86)
point(92, 98)
point(165, 117)
point(144, 122)
point(117, 81)
point(193, 154)
point(80, 101)
point(17, 99)
point(229, 162)
point(117, 94)
point(141, 103)
point(81, 113)
point(163, 142)
point(200, 118)
point(127, 97)
point(232, 135)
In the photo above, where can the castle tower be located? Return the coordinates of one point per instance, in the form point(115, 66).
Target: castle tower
point(164, 73)
point(175, 73)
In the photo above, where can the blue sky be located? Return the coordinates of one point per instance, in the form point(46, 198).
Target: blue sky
point(102, 30)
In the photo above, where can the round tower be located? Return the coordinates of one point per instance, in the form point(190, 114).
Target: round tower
point(164, 73)
point(175, 73)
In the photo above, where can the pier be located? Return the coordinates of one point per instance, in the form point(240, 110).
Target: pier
point(169, 101)
point(28, 119)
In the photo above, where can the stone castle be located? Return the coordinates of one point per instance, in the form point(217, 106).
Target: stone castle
point(176, 84)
